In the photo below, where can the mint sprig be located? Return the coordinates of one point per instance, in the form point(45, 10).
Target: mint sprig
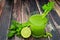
point(13, 28)
point(11, 34)
point(16, 27)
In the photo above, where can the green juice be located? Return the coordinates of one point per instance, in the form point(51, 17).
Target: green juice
point(38, 25)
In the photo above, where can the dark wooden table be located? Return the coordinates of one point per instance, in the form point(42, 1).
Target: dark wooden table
point(6, 17)
point(5, 21)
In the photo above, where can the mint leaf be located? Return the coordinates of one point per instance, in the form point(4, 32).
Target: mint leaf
point(14, 22)
point(12, 27)
point(11, 34)
point(26, 24)
point(16, 28)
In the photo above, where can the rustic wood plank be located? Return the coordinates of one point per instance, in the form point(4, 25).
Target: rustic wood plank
point(22, 16)
point(23, 20)
point(17, 14)
point(5, 21)
point(56, 6)
point(55, 32)
point(2, 3)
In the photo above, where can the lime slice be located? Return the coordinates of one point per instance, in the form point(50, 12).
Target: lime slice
point(26, 32)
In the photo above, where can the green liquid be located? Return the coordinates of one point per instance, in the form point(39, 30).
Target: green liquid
point(38, 25)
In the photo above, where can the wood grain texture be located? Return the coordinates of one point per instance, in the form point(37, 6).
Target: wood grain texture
point(22, 16)
point(2, 3)
point(5, 22)
point(57, 6)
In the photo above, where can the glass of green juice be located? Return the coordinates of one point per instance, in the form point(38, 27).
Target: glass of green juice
point(37, 25)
